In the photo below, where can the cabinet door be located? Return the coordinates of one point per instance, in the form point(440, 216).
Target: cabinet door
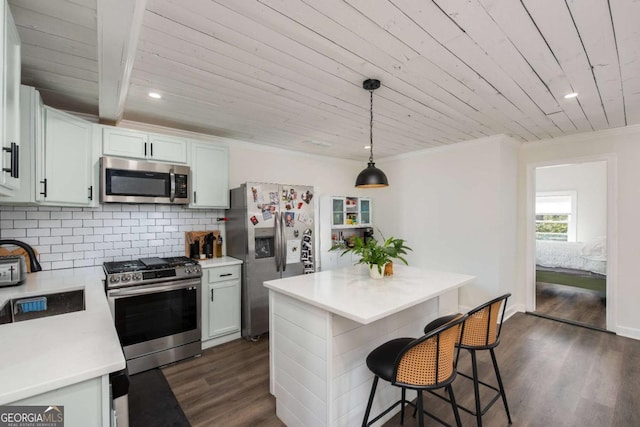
point(10, 103)
point(209, 176)
point(365, 212)
point(67, 160)
point(167, 149)
point(338, 210)
point(224, 308)
point(124, 143)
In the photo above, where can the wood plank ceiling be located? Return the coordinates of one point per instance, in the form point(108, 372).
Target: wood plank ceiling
point(288, 73)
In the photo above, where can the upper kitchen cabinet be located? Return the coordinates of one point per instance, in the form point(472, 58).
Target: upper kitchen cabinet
point(67, 176)
point(10, 106)
point(140, 145)
point(209, 176)
point(350, 212)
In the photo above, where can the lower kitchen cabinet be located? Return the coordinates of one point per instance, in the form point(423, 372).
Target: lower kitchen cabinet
point(220, 305)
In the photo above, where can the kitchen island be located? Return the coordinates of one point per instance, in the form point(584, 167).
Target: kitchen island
point(323, 326)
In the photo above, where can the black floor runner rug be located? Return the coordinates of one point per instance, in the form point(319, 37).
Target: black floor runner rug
point(152, 403)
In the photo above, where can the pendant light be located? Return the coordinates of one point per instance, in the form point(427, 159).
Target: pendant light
point(371, 176)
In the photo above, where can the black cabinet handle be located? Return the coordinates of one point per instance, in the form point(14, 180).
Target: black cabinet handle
point(151, 144)
point(91, 193)
point(211, 294)
point(45, 187)
point(226, 274)
point(195, 199)
point(145, 149)
point(14, 152)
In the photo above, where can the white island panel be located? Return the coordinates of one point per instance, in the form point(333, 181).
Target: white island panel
point(328, 313)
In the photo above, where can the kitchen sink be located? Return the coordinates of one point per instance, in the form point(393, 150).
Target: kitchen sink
point(43, 305)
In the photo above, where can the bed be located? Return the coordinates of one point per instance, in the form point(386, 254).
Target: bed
point(578, 264)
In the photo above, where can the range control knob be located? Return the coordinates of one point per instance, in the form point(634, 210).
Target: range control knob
point(136, 276)
point(114, 279)
point(125, 277)
point(187, 271)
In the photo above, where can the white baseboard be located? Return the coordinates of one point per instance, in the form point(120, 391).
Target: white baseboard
point(220, 340)
point(632, 333)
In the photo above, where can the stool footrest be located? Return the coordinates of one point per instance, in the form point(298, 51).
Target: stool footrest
point(469, 411)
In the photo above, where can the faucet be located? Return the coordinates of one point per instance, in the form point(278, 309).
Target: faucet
point(33, 261)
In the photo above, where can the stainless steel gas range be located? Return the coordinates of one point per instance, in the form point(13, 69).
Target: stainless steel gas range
point(155, 303)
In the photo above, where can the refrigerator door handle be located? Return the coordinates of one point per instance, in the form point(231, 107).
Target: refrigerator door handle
point(276, 236)
point(283, 243)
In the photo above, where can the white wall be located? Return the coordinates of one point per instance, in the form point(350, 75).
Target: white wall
point(456, 207)
point(589, 181)
point(621, 145)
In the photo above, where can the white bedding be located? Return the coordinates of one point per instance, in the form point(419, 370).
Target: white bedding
point(575, 255)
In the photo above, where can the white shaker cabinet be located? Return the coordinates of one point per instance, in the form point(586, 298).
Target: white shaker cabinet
point(209, 176)
point(67, 173)
point(10, 105)
point(140, 145)
point(220, 304)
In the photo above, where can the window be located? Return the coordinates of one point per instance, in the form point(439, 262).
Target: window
point(556, 216)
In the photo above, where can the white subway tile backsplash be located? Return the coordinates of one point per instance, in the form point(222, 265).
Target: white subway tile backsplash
point(49, 223)
point(14, 215)
point(82, 215)
point(37, 232)
point(82, 231)
point(60, 231)
point(92, 223)
point(61, 215)
point(56, 265)
point(78, 237)
point(38, 215)
point(32, 223)
point(71, 223)
point(56, 240)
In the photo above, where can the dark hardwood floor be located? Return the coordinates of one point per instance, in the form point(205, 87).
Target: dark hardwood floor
point(570, 303)
point(555, 374)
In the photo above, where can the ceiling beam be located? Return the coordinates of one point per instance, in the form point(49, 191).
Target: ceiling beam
point(119, 26)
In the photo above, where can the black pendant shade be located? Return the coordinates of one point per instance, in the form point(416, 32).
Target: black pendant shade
point(371, 176)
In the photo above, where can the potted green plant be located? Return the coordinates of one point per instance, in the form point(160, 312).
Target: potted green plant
point(377, 255)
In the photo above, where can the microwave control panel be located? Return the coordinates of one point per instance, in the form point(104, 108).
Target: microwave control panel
point(181, 186)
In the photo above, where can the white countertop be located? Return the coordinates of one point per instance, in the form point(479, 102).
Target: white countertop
point(351, 293)
point(219, 262)
point(41, 355)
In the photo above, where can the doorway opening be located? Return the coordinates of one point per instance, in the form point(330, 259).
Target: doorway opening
point(570, 239)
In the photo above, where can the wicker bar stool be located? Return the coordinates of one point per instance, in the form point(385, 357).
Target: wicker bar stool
point(481, 331)
point(425, 363)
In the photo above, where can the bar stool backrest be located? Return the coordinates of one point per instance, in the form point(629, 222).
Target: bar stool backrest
point(429, 360)
point(482, 328)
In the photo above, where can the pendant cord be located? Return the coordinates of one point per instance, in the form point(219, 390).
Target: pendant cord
point(371, 128)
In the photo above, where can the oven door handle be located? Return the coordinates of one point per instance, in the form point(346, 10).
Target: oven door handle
point(139, 290)
point(172, 177)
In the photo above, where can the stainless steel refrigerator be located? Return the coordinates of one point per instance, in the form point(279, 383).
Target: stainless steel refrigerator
point(270, 227)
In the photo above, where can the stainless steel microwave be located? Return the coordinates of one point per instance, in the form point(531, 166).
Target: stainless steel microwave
point(135, 181)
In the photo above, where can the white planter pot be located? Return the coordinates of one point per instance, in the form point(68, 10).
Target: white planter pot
point(374, 273)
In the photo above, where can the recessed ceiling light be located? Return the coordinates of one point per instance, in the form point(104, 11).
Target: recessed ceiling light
point(571, 95)
point(155, 95)
point(366, 147)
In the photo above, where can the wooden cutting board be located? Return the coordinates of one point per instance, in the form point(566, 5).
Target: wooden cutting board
point(191, 236)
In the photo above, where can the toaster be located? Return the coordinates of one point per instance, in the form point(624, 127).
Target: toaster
point(13, 270)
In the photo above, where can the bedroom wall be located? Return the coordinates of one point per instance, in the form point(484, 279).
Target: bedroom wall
point(622, 146)
point(589, 180)
point(456, 207)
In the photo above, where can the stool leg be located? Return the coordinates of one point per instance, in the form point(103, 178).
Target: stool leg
point(504, 396)
point(419, 409)
point(476, 387)
point(404, 398)
point(373, 392)
point(454, 405)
